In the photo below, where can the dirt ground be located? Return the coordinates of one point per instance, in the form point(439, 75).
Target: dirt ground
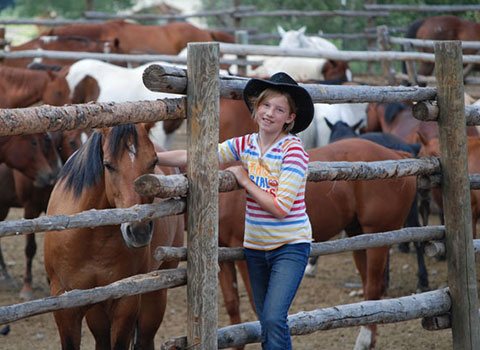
point(335, 280)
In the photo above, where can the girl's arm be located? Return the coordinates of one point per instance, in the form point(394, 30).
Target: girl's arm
point(176, 158)
point(264, 199)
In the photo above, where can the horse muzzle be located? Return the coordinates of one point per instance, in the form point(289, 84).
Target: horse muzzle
point(137, 234)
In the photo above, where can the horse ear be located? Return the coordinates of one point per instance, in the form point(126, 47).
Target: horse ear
point(281, 31)
point(356, 126)
point(303, 29)
point(149, 125)
point(329, 124)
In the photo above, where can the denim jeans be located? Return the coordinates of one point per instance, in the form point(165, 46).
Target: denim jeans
point(275, 276)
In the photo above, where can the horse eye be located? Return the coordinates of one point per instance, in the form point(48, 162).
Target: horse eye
point(108, 166)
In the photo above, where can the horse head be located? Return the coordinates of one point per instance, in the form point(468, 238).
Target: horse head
point(293, 39)
point(57, 91)
point(127, 154)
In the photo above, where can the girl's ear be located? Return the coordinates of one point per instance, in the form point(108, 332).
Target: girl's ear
point(291, 118)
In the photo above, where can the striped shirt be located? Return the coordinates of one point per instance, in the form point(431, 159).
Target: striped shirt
point(281, 171)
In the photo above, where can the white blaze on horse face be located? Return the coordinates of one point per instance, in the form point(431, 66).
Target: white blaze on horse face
point(132, 151)
point(83, 137)
point(46, 39)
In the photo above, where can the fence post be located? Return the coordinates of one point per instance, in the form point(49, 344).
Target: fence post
point(383, 43)
point(410, 66)
point(241, 37)
point(462, 279)
point(202, 202)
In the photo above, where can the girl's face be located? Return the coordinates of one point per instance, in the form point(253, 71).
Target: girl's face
point(273, 113)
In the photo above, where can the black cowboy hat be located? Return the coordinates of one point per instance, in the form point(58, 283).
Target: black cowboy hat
point(283, 82)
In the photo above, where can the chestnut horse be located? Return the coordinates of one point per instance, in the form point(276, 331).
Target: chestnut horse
point(397, 119)
point(443, 28)
point(20, 192)
point(432, 148)
point(168, 39)
point(100, 175)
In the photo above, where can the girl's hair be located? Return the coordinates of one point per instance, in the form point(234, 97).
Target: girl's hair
point(268, 93)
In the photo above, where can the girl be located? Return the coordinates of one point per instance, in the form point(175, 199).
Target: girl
point(273, 173)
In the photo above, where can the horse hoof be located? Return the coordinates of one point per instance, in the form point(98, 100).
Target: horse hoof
point(26, 294)
point(5, 330)
point(311, 271)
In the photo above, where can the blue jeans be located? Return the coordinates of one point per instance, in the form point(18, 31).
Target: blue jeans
point(275, 276)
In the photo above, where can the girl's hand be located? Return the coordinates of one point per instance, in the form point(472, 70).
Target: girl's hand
point(240, 174)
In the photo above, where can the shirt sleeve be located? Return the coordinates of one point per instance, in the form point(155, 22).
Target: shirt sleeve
point(231, 149)
point(293, 176)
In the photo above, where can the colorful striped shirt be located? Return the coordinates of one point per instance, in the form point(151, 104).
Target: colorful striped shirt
point(281, 171)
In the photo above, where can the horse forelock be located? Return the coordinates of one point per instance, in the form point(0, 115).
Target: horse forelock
point(85, 167)
point(123, 138)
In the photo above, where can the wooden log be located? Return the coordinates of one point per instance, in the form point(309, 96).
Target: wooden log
point(401, 309)
point(165, 79)
point(365, 241)
point(431, 43)
point(436, 323)
point(421, 8)
point(134, 285)
point(19, 121)
point(433, 80)
point(298, 13)
point(383, 44)
point(428, 111)
point(177, 185)
point(434, 249)
point(270, 50)
point(203, 109)
point(92, 218)
point(462, 278)
point(410, 66)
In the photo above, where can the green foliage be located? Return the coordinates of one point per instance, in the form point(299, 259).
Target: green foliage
point(65, 8)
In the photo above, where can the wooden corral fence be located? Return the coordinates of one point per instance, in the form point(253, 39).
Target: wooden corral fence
point(457, 305)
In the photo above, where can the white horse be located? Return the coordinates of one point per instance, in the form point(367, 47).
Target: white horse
point(120, 84)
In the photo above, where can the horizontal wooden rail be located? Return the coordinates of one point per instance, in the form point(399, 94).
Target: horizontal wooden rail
point(112, 57)
point(469, 80)
point(394, 310)
point(93, 218)
point(364, 241)
point(19, 121)
point(137, 284)
point(45, 21)
point(298, 13)
point(166, 186)
point(270, 50)
point(422, 8)
point(431, 43)
point(170, 79)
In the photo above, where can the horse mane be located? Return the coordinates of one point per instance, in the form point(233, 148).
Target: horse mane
point(85, 167)
point(392, 109)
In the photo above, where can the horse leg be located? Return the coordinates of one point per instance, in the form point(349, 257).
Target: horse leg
point(5, 277)
point(311, 269)
point(69, 325)
point(123, 314)
point(99, 325)
point(26, 293)
point(152, 311)
point(228, 283)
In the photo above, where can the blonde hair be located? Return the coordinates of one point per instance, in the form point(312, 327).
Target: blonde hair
point(269, 93)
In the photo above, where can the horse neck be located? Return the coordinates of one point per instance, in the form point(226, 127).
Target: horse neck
point(27, 86)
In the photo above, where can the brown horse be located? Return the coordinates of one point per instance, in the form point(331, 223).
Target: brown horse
point(19, 191)
point(21, 87)
point(354, 206)
point(167, 39)
point(397, 119)
point(443, 28)
point(100, 175)
point(432, 148)
point(61, 43)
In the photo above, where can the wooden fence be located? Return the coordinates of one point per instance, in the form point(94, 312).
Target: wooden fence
point(202, 116)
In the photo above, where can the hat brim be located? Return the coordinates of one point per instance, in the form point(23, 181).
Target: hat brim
point(303, 100)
